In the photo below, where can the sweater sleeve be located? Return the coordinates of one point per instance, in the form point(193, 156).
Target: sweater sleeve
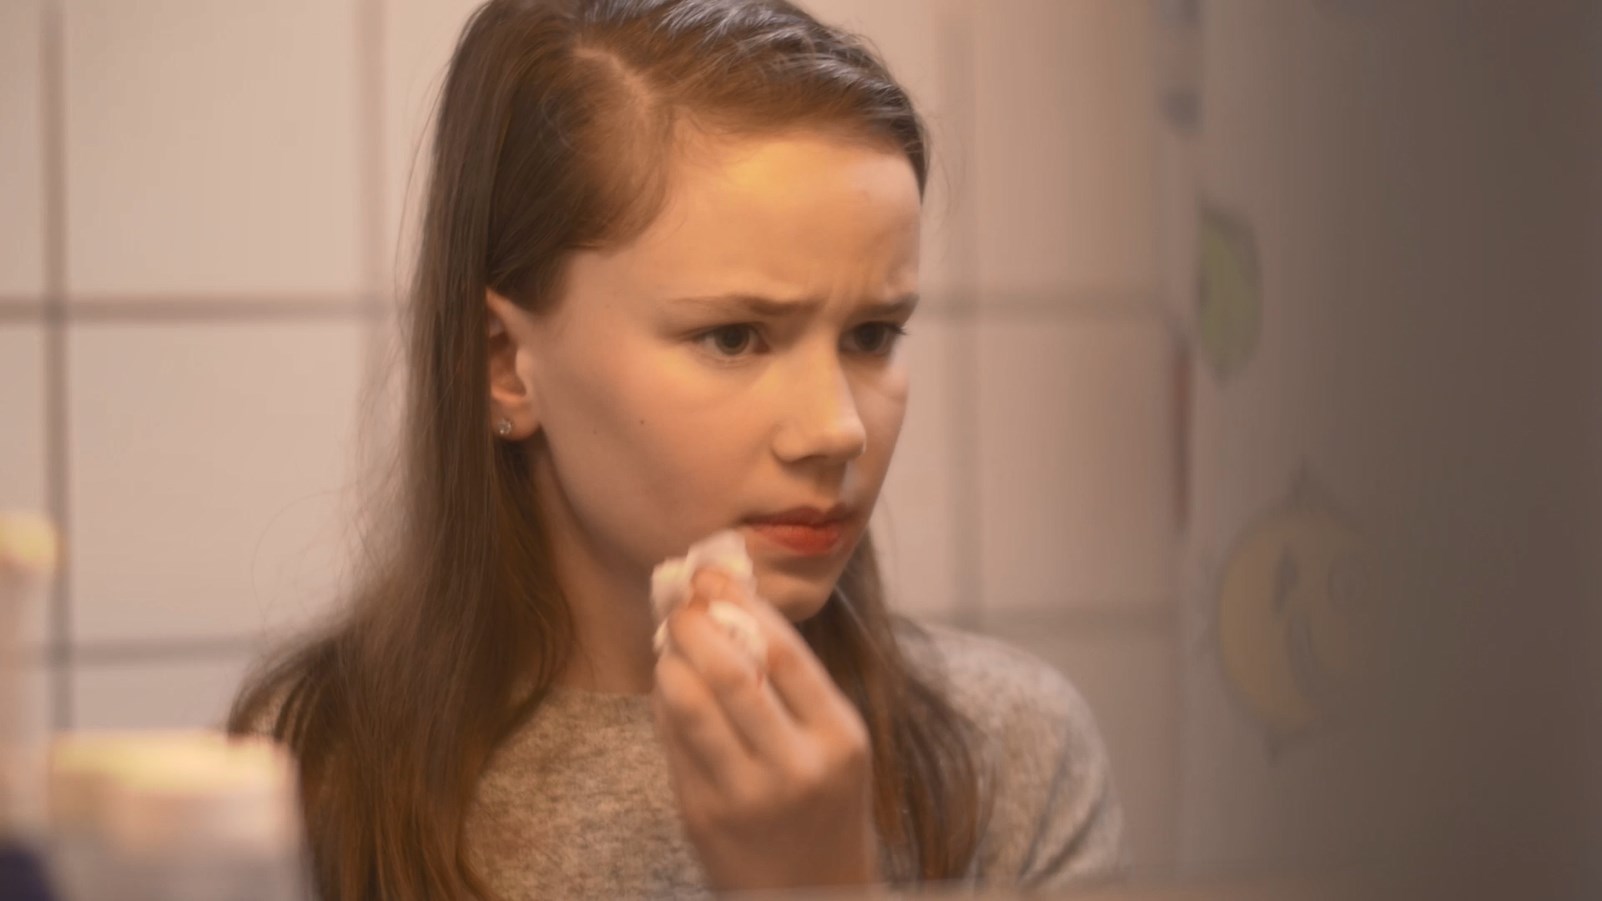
point(1068, 826)
point(1054, 818)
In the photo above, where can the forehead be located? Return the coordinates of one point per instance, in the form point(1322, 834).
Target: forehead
point(800, 213)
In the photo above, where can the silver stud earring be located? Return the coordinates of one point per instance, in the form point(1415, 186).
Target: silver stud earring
point(503, 428)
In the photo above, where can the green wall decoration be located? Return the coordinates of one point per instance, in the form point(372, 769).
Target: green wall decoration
point(1229, 306)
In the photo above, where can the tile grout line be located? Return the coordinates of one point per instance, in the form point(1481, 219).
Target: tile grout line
point(378, 246)
point(143, 651)
point(963, 372)
point(369, 120)
point(135, 310)
point(52, 82)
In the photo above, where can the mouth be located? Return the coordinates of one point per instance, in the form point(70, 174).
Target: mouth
point(804, 531)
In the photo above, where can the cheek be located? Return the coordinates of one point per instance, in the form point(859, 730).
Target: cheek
point(693, 453)
point(883, 411)
point(690, 450)
point(624, 439)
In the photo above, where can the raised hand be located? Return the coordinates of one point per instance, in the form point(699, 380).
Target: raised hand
point(770, 763)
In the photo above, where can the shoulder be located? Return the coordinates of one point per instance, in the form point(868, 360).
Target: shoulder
point(1001, 688)
point(1054, 817)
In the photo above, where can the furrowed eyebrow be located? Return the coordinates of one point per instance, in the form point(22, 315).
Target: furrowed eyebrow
point(751, 305)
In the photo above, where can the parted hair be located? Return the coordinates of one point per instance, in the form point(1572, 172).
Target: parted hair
point(549, 134)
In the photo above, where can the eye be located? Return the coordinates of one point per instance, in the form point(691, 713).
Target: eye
point(728, 343)
point(718, 341)
point(888, 334)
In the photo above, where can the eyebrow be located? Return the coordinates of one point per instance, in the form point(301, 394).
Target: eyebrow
point(753, 305)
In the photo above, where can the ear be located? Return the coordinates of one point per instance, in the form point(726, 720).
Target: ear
point(511, 378)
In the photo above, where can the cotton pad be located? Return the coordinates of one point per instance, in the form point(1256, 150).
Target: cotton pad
point(670, 587)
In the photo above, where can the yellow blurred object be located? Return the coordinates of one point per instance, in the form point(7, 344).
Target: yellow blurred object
point(173, 814)
point(28, 558)
point(1299, 606)
point(28, 544)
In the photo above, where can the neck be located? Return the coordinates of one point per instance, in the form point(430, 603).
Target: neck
point(613, 653)
point(612, 623)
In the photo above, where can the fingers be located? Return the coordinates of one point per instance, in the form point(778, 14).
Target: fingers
point(736, 684)
point(692, 725)
point(797, 676)
point(711, 582)
point(798, 680)
point(691, 776)
point(773, 775)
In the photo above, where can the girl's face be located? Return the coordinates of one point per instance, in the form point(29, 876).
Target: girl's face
point(737, 360)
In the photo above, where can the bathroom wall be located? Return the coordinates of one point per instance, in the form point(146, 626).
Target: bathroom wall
point(205, 210)
point(1379, 229)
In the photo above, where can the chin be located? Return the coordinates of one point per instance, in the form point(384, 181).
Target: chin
point(797, 598)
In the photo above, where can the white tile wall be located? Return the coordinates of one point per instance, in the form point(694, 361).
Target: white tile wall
point(1075, 463)
point(21, 150)
point(908, 34)
point(22, 410)
point(1128, 676)
point(1063, 155)
point(22, 449)
point(915, 525)
point(417, 42)
point(155, 695)
point(211, 147)
point(209, 472)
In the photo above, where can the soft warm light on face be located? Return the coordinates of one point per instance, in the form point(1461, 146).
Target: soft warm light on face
point(736, 360)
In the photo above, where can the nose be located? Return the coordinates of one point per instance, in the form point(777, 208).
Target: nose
point(819, 417)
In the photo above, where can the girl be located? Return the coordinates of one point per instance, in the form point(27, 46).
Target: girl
point(668, 249)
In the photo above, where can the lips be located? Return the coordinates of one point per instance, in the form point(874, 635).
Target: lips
point(806, 531)
point(805, 516)
point(809, 541)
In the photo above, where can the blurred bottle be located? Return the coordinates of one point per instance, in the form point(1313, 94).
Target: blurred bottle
point(174, 816)
point(27, 561)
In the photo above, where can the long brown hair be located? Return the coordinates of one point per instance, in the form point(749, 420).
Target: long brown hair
point(553, 122)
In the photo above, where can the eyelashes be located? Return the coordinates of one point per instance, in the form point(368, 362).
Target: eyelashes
point(712, 339)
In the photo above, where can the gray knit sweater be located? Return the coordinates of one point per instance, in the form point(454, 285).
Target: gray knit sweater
point(578, 803)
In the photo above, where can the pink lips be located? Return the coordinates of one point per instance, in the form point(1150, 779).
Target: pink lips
point(804, 530)
point(811, 541)
point(806, 516)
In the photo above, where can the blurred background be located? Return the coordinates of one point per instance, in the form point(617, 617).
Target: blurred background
point(1250, 375)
